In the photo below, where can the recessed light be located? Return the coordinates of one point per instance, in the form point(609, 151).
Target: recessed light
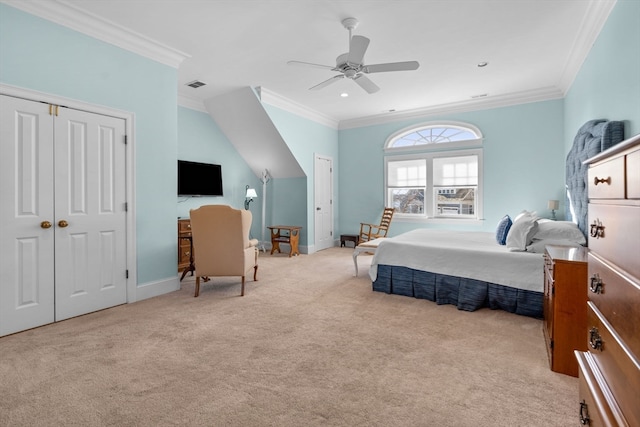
point(482, 64)
point(344, 94)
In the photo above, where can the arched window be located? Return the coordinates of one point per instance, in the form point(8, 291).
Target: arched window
point(434, 134)
point(434, 170)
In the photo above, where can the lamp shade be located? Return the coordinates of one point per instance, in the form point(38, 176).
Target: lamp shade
point(553, 204)
point(251, 193)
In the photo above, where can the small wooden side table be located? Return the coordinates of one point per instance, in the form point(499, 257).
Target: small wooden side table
point(289, 234)
point(355, 238)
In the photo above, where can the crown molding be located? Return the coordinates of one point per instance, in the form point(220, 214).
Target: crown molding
point(506, 100)
point(65, 14)
point(590, 27)
point(191, 103)
point(279, 101)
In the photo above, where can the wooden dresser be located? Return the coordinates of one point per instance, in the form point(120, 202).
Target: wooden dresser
point(609, 372)
point(184, 244)
point(565, 310)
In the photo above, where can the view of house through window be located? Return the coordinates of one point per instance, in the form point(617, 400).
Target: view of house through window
point(430, 183)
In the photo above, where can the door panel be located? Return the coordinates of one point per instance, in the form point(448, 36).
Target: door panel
point(26, 195)
point(323, 193)
point(90, 197)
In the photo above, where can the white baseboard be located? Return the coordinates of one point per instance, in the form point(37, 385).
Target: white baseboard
point(154, 289)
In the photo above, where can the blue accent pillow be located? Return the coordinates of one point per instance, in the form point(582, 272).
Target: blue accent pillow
point(503, 229)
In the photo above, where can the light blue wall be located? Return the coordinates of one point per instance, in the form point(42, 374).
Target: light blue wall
point(293, 202)
point(523, 164)
point(42, 56)
point(608, 84)
point(201, 140)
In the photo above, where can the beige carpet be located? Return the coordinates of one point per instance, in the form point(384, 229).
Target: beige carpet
point(308, 345)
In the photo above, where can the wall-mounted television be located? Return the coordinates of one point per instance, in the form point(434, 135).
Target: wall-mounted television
point(199, 179)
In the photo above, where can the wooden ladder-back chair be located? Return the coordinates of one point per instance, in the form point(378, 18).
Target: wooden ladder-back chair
point(221, 243)
point(375, 231)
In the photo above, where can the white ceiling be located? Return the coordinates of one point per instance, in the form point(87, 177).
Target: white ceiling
point(533, 48)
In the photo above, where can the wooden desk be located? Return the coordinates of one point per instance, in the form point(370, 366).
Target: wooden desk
point(185, 248)
point(289, 234)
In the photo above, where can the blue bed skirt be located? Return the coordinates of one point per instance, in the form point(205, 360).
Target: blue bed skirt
point(466, 294)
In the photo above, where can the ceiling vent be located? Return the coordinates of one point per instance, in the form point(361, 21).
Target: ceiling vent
point(196, 84)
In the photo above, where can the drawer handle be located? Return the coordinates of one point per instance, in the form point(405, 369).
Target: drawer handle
point(584, 413)
point(597, 229)
point(595, 284)
point(595, 341)
point(597, 180)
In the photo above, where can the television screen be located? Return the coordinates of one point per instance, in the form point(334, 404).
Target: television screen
point(199, 179)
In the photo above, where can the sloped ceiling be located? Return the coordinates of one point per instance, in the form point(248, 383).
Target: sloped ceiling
point(243, 119)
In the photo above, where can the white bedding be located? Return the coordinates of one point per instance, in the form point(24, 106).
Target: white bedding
point(470, 254)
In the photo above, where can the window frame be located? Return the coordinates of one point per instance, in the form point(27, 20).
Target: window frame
point(428, 152)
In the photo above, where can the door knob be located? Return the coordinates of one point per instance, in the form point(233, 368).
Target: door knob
point(45, 224)
point(62, 223)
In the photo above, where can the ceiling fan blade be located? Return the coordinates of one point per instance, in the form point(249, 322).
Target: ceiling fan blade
point(366, 84)
point(391, 66)
point(327, 82)
point(310, 64)
point(357, 48)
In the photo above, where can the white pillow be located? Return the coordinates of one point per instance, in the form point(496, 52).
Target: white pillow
point(559, 230)
point(522, 231)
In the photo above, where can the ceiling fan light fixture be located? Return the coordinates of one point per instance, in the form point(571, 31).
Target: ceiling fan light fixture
point(351, 65)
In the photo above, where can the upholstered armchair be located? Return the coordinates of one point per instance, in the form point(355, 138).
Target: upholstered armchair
point(221, 243)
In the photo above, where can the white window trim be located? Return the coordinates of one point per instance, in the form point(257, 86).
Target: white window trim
point(469, 143)
point(429, 152)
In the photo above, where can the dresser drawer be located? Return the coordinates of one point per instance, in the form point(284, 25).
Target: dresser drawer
point(616, 363)
point(618, 299)
point(633, 175)
point(606, 179)
point(595, 402)
point(618, 238)
point(184, 226)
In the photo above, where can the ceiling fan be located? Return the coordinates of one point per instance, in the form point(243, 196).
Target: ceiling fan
point(350, 65)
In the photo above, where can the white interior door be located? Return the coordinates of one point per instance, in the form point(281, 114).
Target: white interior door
point(323, 195)
point(26, 215)
point(67, 168)
point(90, 233)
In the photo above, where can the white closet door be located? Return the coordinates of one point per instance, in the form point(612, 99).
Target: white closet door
point(90, 215)
point(26, 205)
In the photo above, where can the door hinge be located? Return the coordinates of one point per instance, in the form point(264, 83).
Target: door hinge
point(125, 140)
point(53, 110)
point(551, 344)
point(126, 206)
point(127, 273)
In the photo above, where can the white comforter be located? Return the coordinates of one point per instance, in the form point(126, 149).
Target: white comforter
point(470, 254)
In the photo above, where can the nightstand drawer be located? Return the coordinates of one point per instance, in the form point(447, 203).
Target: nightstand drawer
point(617, 236)
point(618, 299)
point(606, 180)
point(616, 363)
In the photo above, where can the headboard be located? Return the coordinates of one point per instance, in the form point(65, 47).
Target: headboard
point(592, 138)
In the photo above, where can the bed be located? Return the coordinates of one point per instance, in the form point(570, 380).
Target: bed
point(467, 269)
point(501, 270)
